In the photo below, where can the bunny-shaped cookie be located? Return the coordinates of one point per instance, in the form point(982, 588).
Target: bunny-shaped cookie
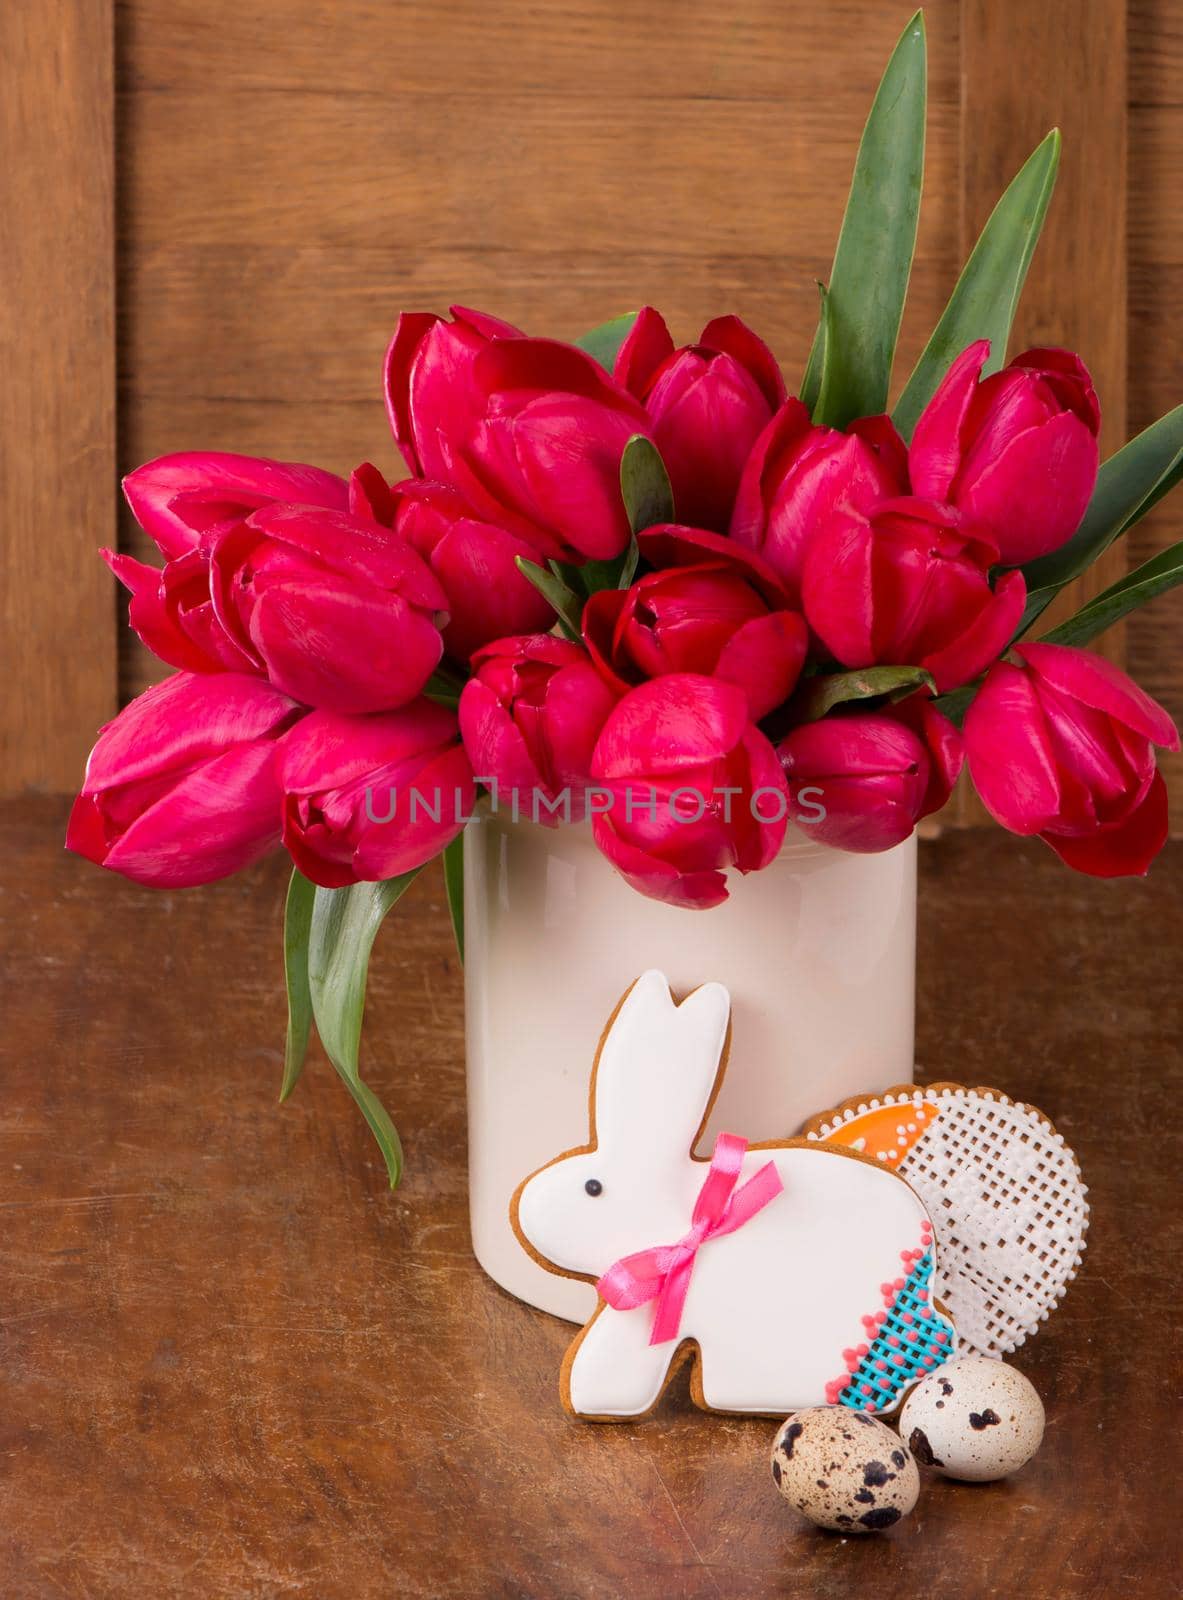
point(821, 1295)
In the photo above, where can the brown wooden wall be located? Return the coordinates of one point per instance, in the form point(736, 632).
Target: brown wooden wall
point(287, 174)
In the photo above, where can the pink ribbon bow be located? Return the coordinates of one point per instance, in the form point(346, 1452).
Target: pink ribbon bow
point(663, 1273)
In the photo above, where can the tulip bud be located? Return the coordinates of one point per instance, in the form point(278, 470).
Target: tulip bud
point(476, 562)
point(706, 619)
point(1016, 452)
point(337, 612)
point(908, 585)
point(861, 781)
point(800, 475)
point(707, 403)
point(530, 716)
point(181, 788)
point(369, 798)
point(430, 397)
point(1060, 743)
point(691, 787)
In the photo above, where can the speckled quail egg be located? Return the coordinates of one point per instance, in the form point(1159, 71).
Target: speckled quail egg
point(975, 1419)
point(844, 1470)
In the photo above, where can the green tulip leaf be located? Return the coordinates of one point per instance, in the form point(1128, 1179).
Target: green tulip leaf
point(821, 694)
point(344, 925)
point(603, 343)
point(1154, 577)
point(453, 859)
point(849, 372)
point(297, 925)
point(983, 304)
point(1128, 485)
point(645, 485)
point(564, 601)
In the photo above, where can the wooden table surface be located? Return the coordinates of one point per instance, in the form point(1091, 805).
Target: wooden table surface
point(234, 1364)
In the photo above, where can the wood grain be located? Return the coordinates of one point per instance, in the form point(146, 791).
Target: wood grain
point(57, 397)
point(235, 1365)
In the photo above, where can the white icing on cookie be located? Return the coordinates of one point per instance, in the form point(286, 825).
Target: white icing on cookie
point(776, 1308)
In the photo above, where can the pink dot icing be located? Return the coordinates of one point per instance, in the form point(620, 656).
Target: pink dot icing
point(881, 1366)
point(860, 1350)
point(893, 1341)
point(881, 1317)
point(899, 1360)
point(907, 1317)
point(922, 1294)
point(885, 1289)
point(867, 1389)
point(899, 1283)
point(913, 1337)
point(929, 1361)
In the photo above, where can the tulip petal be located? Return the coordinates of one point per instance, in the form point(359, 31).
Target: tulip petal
point(217, 819)
point(670, 544)
point(787, 429)
point(495, 745)
point(351, 546)
point(658, 880)
point(177, 497)
point(388, 849)
point(598, 626)
point(984, 638)
point(1009, 752)
point(1096, 682)
point(186, 719)
point(1033, 492)
point(413, 327)
point(645, 348)
point(1126, 850)
point(732, 337)
point(328, 751)
point(764, 658)
point(837, 590)
point(669, 724)
point(935, 455)
point(344, 650)
point(1069, 377)
point(370, 496)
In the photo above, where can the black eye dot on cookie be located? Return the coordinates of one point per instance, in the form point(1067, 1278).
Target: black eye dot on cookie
point(594, 1187)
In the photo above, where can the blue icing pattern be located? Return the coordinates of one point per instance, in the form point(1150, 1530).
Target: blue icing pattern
point(914, 1339)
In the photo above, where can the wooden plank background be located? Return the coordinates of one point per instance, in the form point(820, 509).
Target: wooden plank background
point(57, 389)
point(289, 175)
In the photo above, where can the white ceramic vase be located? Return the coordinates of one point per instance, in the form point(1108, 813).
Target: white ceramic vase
point(818, 951)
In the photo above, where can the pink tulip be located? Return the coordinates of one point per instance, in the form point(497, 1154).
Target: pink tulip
point(1016, 452)
point(475, 561)
point(337, 612)
point(690, 787)
point(799, 475)
point(908, 584)
point(177, 498)
point(369, 798)
point(1060, 743)
point(861, 781)
point(430, 396)
point(707, 402)
point(542, 457)
point(181, 788)
point(706, 619)
point(172, 611)
point(530, 716)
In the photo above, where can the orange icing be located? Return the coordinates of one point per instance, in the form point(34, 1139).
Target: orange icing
point(877, 1133)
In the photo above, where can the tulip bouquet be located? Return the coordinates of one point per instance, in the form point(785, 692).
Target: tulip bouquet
point(641, 584)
